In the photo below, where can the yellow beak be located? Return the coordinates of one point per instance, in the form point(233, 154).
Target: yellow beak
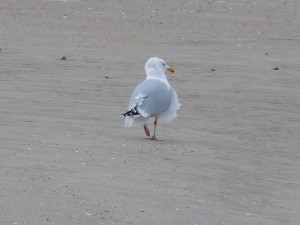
point(171, 69)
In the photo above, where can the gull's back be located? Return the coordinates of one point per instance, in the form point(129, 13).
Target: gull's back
point(151, 97)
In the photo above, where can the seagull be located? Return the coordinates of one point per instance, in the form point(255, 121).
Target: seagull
point(154, 97)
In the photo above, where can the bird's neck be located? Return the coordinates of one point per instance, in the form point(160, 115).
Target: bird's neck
point(154, 74)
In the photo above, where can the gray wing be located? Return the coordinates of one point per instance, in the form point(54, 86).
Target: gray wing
point(151, 97)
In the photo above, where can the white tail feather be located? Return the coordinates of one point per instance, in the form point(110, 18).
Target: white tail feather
point(135, 121)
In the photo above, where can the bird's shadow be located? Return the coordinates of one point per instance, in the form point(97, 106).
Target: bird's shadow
point(154, 140)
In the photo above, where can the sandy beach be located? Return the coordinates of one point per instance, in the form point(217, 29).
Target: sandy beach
point(232, 155)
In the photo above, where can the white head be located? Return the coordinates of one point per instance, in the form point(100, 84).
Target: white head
point(156, 68)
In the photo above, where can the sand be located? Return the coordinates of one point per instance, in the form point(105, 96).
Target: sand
point(230, 157)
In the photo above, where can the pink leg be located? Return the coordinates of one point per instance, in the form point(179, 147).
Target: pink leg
point(147, 131)
point(155, 123)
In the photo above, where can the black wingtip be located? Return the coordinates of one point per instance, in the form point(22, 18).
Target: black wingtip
point(132, 112)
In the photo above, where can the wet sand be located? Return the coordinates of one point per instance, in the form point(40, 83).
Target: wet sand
point(230, 157)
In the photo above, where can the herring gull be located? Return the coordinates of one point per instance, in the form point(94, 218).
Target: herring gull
point(154, 97)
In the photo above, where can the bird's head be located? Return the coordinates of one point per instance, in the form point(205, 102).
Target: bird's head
point(156, 67)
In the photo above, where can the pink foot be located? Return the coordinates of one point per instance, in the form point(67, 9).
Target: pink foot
point(154, 138)
point(147, 131)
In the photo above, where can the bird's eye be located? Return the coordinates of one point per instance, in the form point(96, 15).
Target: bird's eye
point(164, 64)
